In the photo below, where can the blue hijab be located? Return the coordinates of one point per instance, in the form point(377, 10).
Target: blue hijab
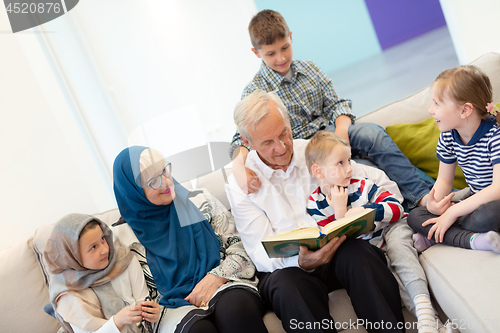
point(178, 256)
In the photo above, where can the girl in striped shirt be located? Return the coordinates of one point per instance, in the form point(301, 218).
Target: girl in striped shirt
point(470, 136)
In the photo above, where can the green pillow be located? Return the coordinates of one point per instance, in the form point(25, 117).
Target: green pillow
point(418, 142)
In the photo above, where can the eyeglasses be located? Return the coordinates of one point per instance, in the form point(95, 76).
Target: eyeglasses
point(155, 182)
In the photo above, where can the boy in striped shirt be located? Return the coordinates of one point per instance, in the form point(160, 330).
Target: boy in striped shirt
point(341, 194)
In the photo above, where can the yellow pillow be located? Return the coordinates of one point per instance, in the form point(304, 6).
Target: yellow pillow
point(418, 142)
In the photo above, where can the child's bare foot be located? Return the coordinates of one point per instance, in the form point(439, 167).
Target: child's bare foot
point(422, 243)
point(486, 241)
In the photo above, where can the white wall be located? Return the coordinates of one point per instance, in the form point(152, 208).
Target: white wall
point(474, 27)
point(78, 89)
point(165, 63)
point(47, 166)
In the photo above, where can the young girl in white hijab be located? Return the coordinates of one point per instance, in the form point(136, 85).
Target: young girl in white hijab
point(96, 286)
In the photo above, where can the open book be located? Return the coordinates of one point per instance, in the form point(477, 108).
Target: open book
point(287, 243)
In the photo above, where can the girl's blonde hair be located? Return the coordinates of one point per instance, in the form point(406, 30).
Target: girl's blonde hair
point(320, 146)
point(466, 84)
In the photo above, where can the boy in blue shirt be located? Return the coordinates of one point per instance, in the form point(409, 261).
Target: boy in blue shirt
point(313, 105)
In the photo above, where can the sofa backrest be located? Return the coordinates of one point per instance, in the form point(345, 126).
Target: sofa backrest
point(24, 293)
point(413, 109)
point(215, 183)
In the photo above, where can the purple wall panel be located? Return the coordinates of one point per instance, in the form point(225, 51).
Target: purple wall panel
point(396, 21)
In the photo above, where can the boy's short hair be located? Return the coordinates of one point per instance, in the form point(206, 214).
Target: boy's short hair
point(320, 146)
point(266, 27)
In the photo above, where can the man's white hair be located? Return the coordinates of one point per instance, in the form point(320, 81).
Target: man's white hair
point(251, 109)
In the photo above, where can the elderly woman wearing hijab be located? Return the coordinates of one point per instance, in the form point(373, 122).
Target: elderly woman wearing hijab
point(203, 274)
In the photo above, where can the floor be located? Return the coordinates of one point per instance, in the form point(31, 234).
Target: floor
point(397, 72)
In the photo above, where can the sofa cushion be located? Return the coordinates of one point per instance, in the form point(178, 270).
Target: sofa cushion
point(215, 183)
point(465, 284)
point(38, 242)
point(413, 109)
point(418, 142)
point(23, 291)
